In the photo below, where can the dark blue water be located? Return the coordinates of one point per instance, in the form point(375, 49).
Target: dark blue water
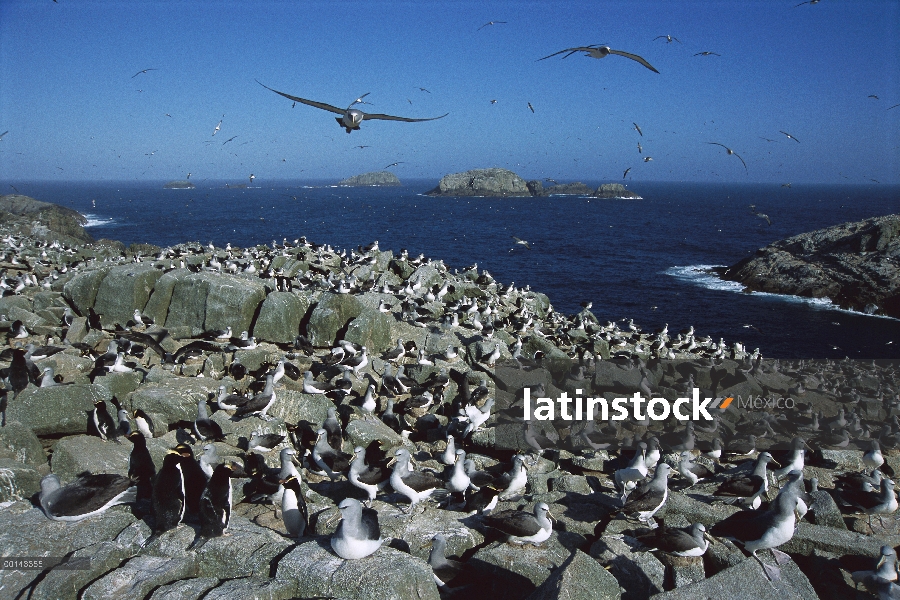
point(632, 258)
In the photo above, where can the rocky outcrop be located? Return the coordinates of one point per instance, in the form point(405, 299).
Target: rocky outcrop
point(615, 191)
point(376, 178)
point(23, 215)
point(179, 185)
point(560, 189)
point(855, 265)
point(503, 183)
point(482, 182)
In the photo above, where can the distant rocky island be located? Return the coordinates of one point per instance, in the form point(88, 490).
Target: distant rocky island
point(856, 265)
point(179, 185)
point(503, 183)
point(375, 178)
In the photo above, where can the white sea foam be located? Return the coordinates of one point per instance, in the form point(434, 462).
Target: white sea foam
point(97, 221)
point(703, 276)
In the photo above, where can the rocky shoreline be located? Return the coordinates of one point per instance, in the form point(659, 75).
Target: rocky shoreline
point(856, 265)
point(467, 340)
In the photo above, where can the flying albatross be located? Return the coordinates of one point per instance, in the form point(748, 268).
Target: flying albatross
point(350, 117)
point(598, 51)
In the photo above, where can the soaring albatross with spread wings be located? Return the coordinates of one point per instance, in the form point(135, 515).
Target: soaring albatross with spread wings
point(599, 51)
point(350, 117)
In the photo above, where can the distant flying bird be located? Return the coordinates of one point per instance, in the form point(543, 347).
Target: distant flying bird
point(789, 136)
point(767, 139)
point(894, 106)
point(493, 102)
point(668, 38)
point(228, 140)
point(810, 2)
point(144, 71)
point(640, 149)
point(787, 185)
point(625, 174)
point(424, 90)
point(553, 181)
point(218, 126)
point(531, 107)
point(361, 147)
point(730, 151)
point(873, 96)
point(490, 23)
point(7, 131)
point(394, 164)
point(350, 117)
point(707, 53)
point(648, 158)
point(522, 242)
point(597, 51)
point(638, 129)
point(252, 177)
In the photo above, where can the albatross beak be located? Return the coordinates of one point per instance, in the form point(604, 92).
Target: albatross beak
point(333, 518)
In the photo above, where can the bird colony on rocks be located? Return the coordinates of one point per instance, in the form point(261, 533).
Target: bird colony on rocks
point(293, 420)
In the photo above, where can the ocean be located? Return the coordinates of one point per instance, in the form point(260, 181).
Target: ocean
point(641, 259)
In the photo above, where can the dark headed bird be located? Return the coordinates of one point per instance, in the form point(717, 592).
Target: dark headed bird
point(101, 423)
point(598, 51)
point(215, 503)
point(350, 117)
point(194, 478)
point(141, 469)
point(168, 493)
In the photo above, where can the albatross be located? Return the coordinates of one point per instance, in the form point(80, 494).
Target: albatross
point(86, 496)
point(350, 117)
point(730, 151)
point(599, 51)
point(358, 535)
point(521, 527)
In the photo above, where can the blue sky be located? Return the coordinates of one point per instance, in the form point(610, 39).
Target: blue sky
point(74, 111)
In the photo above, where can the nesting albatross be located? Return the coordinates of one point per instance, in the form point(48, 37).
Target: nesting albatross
point(358, 535)
point(87, 496)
